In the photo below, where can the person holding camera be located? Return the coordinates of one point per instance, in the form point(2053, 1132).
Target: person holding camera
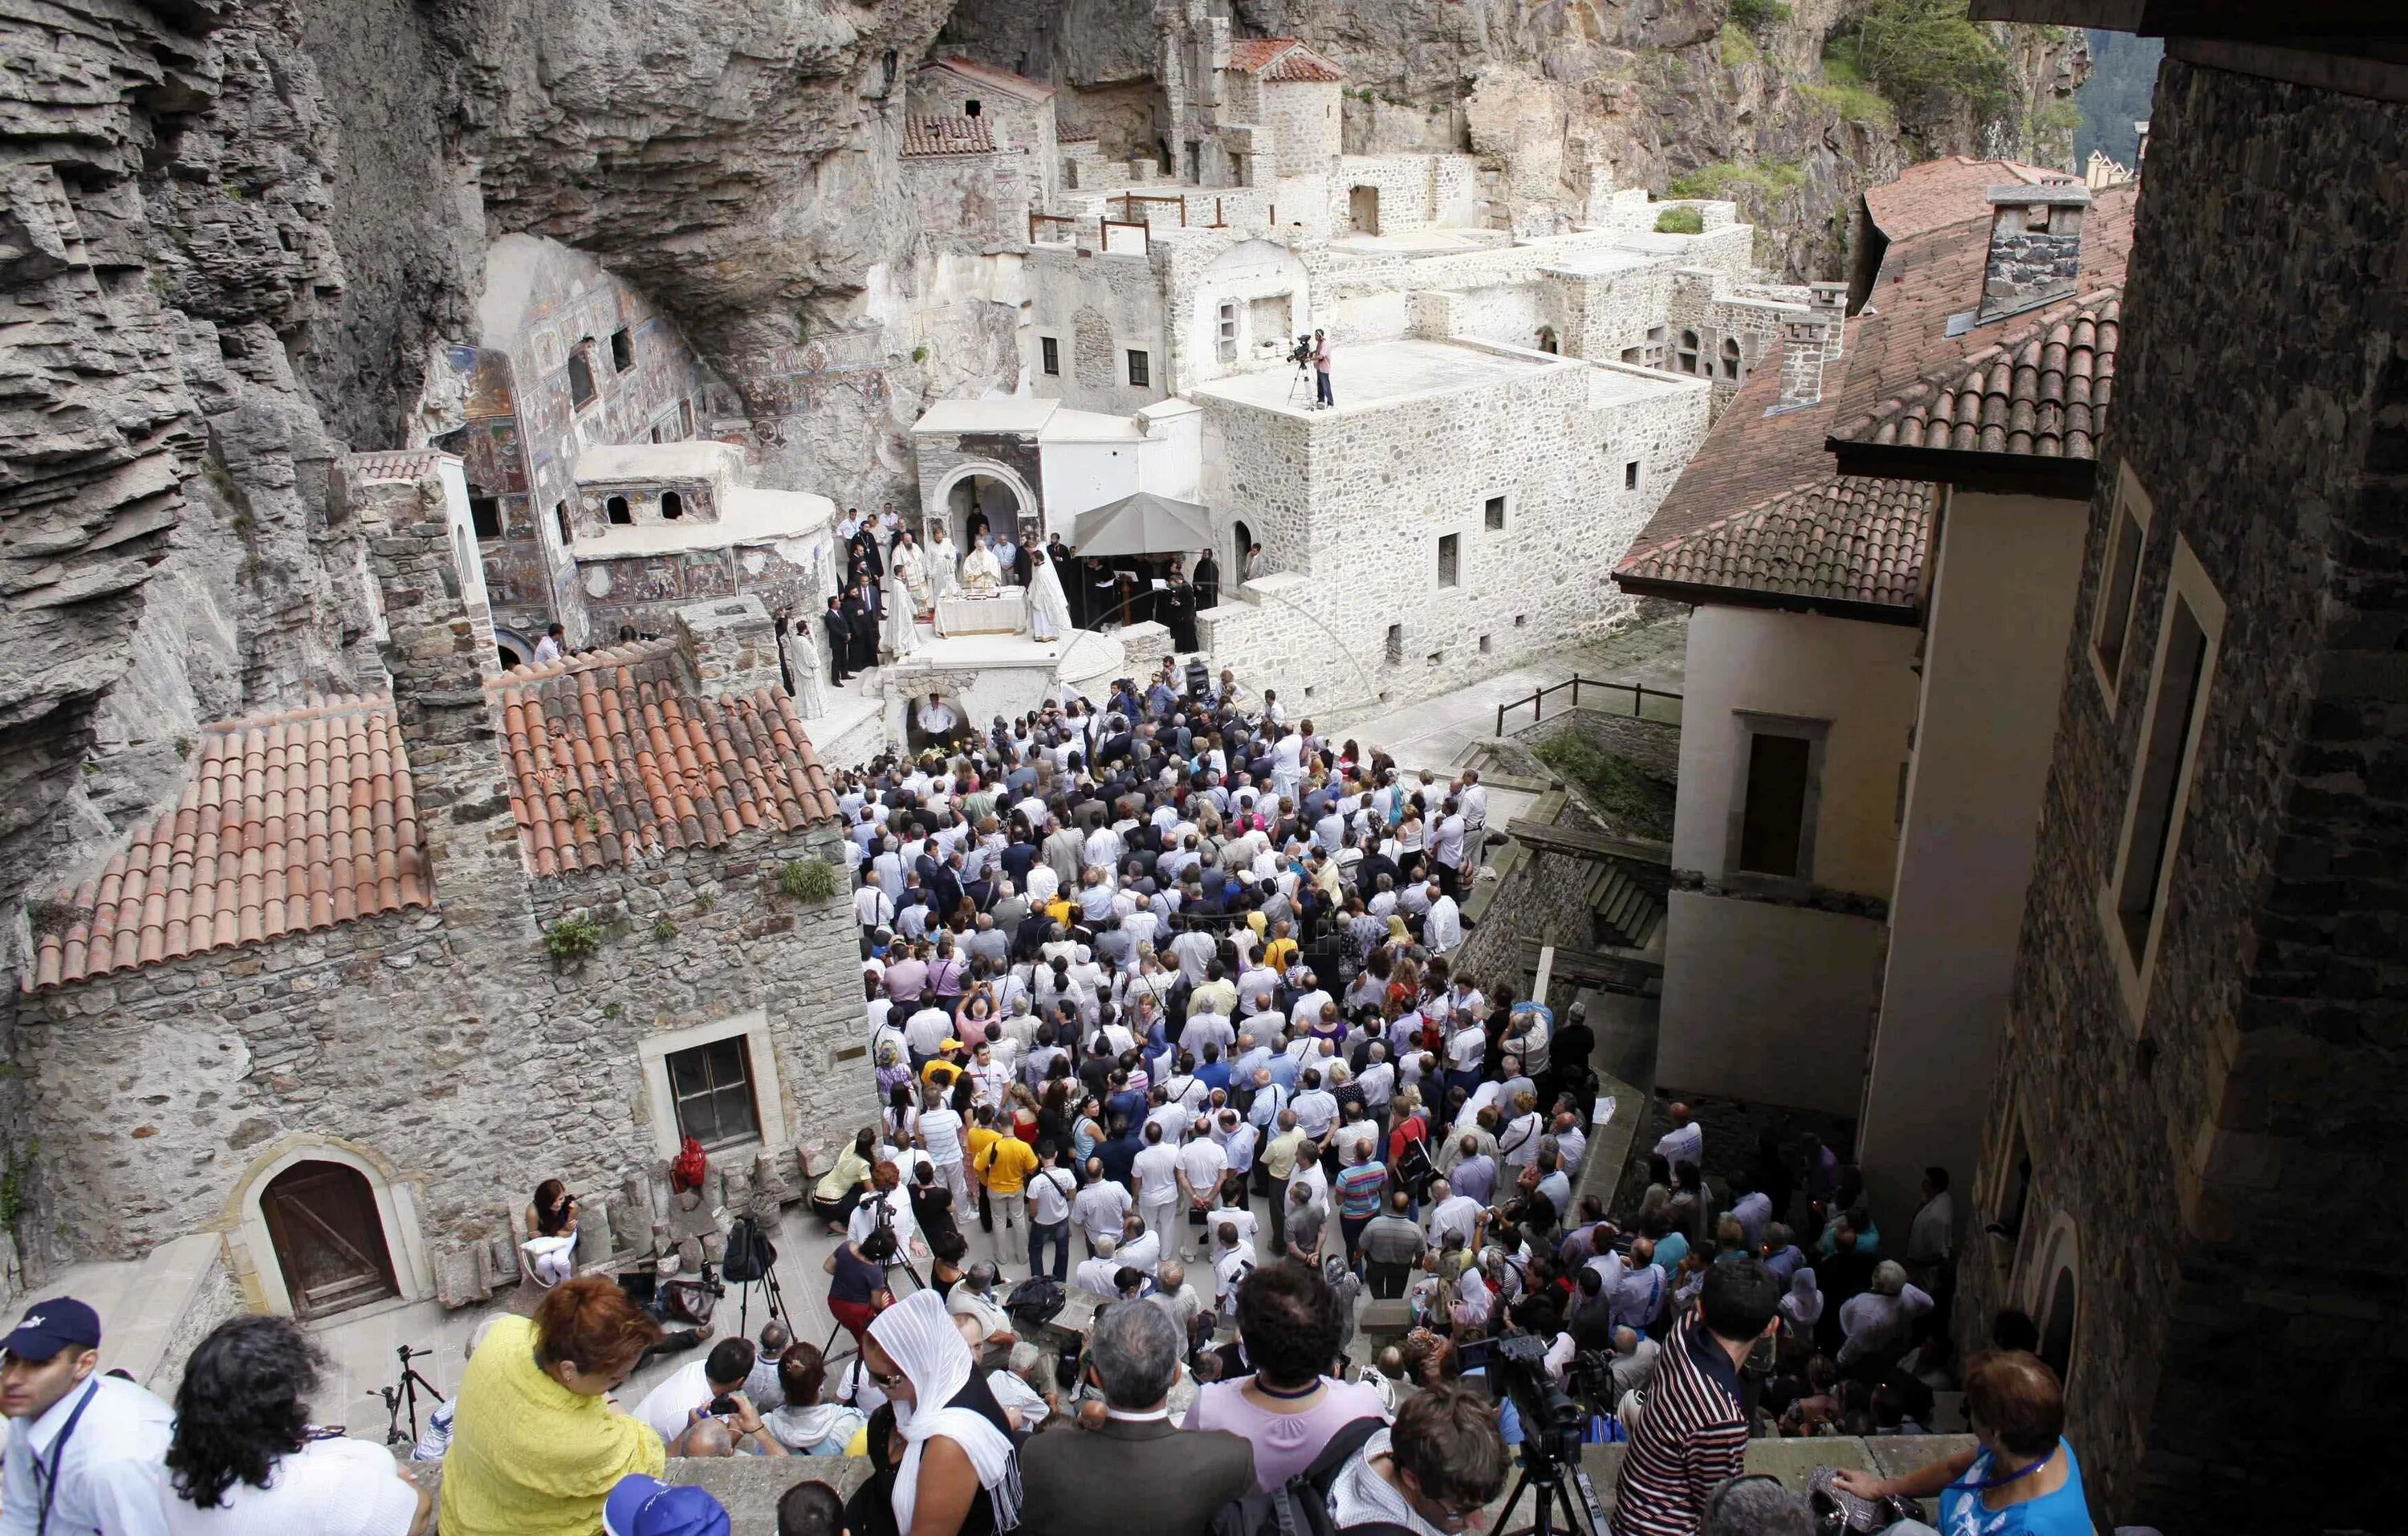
point(859, 1288)
point(704, 1390)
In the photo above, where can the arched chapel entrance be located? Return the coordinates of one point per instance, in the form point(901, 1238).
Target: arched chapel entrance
point(328, 1238)
point(982, 504)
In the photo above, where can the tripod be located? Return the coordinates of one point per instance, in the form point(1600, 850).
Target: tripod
point(403, 1393)
point(776, 1298)
point(1543, 1472)
point(1303, 388)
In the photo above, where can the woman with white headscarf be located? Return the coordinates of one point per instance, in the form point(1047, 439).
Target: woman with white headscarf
point(1804, 1306)
point(956, 1473)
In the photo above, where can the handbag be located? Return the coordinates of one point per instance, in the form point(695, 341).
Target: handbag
point(688, 1301)
point(1836, 1511)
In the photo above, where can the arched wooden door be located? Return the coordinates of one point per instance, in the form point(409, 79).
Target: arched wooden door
point(329, 1240)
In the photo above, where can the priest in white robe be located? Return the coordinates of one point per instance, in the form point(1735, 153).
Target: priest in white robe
point(806, 670)
point(943, 564)
point(1049, 606)
point(912, 564)
point(902, 622)
point(982, 573)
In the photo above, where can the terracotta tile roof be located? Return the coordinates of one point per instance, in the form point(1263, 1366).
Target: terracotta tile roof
point(1074, 136)
point(992, 78)
point(2043, 388)
point(927, 135)
point(1850, 542)
point(407, 465)
point(1281, 58)
point(294, 819)
point(1898, 341)
point(1937, 193)
point(614, 756)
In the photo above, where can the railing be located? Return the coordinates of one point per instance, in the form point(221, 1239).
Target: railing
point(1104, 228)
point(1639, 694)
point(1036, 218)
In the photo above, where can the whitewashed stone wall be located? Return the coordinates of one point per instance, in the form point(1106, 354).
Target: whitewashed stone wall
point(1351, 506)
point(1120, 300)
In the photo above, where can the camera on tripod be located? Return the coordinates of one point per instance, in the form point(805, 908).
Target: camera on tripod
point(1302, 353)
point(1553, 1424)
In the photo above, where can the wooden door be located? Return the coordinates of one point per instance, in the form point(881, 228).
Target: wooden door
point(329, 1240)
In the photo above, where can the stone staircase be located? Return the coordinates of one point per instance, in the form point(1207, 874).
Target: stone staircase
point(1628, 913)
point(154, 1309)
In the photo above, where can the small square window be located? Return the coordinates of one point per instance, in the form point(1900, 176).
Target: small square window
point(1049, 352)
point(1140, 370)
point(712, 1088)
point(1492, 514)
point(1630, 476)
point(623, 350)
point(485, 516)
point(970, 108)
point(1521, 621)
point(1450, 560)
point(1396, 653)
point(1487, 644)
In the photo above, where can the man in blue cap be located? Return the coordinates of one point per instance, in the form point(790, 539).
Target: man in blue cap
point(86, 1451)
point(646, 1506)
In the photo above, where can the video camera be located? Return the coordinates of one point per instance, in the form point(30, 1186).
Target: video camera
point(1552, 1418)
point(1302, 353)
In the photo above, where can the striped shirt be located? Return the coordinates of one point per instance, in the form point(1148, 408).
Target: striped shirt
point(1692, 1434)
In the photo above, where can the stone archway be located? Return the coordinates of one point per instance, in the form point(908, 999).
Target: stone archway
point(251, 1231)
point(990, 482)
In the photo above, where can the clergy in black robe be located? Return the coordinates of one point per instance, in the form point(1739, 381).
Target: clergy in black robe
point(865, 552)
point(861, 625)
point(1176, 606)
point(1103, 595)
point(840, 643)
point(1022, 566)
point(1208, 581)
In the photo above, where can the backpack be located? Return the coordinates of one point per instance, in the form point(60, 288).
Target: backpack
point(689, 1167)
point(1035, 1300)
point(1301, 1505)
point(750, 1255)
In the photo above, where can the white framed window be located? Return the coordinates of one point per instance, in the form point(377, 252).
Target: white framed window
point(717, 1083)
point(2111, 612)
point(2132, 903)
point(1450, 560)
point(1493, 510)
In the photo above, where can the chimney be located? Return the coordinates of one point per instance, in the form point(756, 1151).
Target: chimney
point(437, 635)
point(732, 643)
point(2035, 247)
point(1802, 357)
point(1830, 305)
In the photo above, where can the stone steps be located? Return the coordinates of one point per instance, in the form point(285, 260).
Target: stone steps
point(153, 1310)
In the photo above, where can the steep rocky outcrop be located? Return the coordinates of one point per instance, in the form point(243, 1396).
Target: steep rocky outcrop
point(232, 231)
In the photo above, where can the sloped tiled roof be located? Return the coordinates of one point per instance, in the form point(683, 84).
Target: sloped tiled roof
point(612, 757)
point(1935, 194)
point(1896, 345)
point(1281, 58)
point(294, 819)
point(2042, 389)
point(1852, 541)
point(934, 135)
point(1074, 136)
point(987, 75)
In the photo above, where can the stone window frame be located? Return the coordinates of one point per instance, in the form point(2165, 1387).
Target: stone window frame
point(768, 1094)
point(2132, 504)
point(1817, 734)
point(1138, 365)
point(1506, 518)
point(1448, 573)
point(2188, 589)
point(1049, 356)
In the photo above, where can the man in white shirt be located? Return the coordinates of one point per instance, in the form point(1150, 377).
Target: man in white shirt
point(548, 649)
point(1155, 1172)
point(1685, 1142)
point(1201, 1163)
point(1094, 1274)
point(1233, 1259)
point(1256, 985)
point(670, 1406)
point(942, 1128)
point(1464, 1049)
point(109, 1475)
point(872, 907)
point(1098, 1210)
point(1317, 1108)
point(1237, 1139)
point(1307, 1011)
point(1194, 950)
point(1141, 1247)
point(926, 1031)
point(1456, 1213)
point(1443, 927)
point(1207, 1030)
point(990, 1079)
point(1933, 1237)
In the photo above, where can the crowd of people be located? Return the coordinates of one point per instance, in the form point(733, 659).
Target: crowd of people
point(1166, 994)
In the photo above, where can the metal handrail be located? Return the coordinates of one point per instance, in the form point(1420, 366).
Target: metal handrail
point(1639, 693)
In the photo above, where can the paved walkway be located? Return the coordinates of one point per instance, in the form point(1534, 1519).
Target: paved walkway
point(1432, 733)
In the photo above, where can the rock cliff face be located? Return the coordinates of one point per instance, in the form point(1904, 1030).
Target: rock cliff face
point(1577, 98)
point(230, 232)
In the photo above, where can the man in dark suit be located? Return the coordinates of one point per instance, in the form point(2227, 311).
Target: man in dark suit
point(1136, 1471)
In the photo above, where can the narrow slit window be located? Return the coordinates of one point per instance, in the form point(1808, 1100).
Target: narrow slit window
point(1450, 560)
point(2165, 764)
point(1774, 823)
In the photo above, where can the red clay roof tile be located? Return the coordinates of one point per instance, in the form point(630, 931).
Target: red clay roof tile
point(614, 756)
point(242, 855)
point(924, 137)
point(1281, 58)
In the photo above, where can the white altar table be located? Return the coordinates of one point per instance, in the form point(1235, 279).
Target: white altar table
point(1005, 613)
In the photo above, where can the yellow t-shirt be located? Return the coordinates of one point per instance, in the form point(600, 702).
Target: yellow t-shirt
point(1280, 954)
point(1007, 1167)
point(980, 1138)
point(530, 1458)
point(939, 1074)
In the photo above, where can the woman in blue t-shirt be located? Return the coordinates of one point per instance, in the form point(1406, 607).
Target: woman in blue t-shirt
point(2022, 1480)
